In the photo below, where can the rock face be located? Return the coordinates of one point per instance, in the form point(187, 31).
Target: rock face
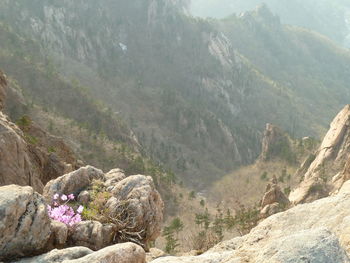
point(72, 183)
point(16, 165)
point(29, 155)
point(142, 204)
point(25, 225)
point(329, 161)
point(317, 232)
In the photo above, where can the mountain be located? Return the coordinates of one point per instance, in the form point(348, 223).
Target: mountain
point(196, 94)
point(328, 17)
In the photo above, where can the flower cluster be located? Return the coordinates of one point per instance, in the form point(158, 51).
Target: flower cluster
point(62, 212)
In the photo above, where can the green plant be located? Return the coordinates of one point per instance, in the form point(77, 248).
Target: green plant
point(171, 233)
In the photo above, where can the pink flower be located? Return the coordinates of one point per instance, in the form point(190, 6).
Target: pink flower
point(80, 209)
point(64, 213)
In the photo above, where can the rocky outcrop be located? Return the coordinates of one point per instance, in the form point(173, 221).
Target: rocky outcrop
point(16, 165)
point(25, 226)
point(29, 155)
point(274, 200)
point(72, 183)
point(328, 163)
point(132, 210)
point(275, 144)
point(137, 196)
point(313, 232)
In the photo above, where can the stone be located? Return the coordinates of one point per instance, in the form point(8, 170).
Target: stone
point(315, 245)
point(137, 198)
point(274, 200)
point(59, 235)
point(25, 227)
point(58, 256)
point(72, 183)
point(84, 197)
point(112, 177)
point(154, 253)
point(92, 234)
point(312, 232)
point(119, 253)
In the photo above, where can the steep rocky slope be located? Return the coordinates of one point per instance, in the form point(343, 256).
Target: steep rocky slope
point(328, 17)
point(198, 99)
point(29, 160)
point(327, 169)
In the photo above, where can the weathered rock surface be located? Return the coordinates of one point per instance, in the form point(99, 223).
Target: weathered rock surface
point(329, 161)
point(154, 253)
point(24, 222)
point(120, 253)
point(25, 157)
point(92, 234)
point(317, 232)
point(84, 197)
point(58, 255)
point(73, 182)
point(16, 165)
point(137, 198)
point(112, 177)
point(59, 235)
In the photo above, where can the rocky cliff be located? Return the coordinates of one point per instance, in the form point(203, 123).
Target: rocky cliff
point(29, 155)
point(327, 169)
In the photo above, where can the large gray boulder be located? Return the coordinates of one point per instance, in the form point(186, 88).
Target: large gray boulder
point(317, 232)
point(72, 183)
point(58, 256)
point(24, 223)
point(120, 253)
point(137, 199)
